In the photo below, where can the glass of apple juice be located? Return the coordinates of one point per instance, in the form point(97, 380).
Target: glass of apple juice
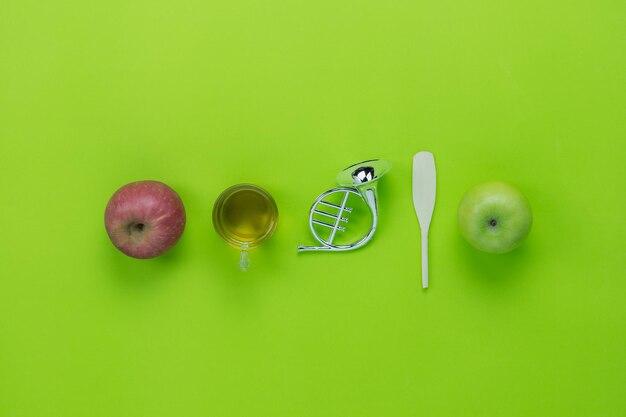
point(245, 216)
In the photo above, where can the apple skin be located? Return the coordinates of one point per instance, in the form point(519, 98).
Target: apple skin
point(494, 217)
point(144, 219)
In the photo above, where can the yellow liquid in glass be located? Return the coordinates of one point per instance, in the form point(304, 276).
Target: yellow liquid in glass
point(245, 214)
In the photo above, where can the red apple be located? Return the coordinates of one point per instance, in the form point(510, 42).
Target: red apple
point(144, 219)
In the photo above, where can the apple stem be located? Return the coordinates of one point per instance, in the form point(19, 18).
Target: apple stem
point(244, 259)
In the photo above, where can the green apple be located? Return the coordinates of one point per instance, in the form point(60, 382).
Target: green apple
point(494, 217)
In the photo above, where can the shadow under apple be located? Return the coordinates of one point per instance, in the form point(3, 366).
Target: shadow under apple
point(491, 271)
point(132, 274)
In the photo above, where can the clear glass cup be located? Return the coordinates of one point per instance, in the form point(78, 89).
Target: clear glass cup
point(245, 216)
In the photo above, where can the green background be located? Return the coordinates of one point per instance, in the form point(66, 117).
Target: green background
point(206, 94)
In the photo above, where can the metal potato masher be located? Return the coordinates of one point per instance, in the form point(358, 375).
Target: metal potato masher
point(359, 179)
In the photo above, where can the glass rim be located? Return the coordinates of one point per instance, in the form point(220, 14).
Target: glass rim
point(223, 198)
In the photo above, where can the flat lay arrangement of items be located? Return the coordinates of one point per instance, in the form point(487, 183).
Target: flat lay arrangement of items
point(144, 219)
